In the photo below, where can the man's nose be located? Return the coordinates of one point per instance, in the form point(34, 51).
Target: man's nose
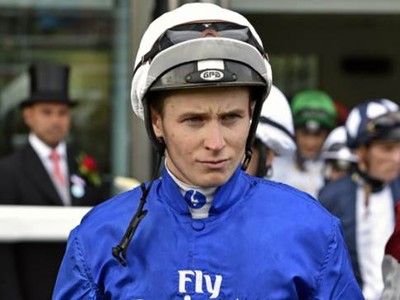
point(214, 139)
point(396, 155)
point(56, 117)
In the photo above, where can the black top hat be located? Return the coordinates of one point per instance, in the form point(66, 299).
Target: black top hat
point(48, 83)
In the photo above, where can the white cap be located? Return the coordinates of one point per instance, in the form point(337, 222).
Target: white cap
point(357, 120)
point(275, 128)
point(193, 50)
point(335, 146)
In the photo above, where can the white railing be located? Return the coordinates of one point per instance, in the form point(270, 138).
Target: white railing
point(38, 223)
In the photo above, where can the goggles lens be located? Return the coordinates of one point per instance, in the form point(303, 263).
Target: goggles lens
point(384, 123)
point(186, 32)
point(336, 147)
point(313, 114)
point(340, 165)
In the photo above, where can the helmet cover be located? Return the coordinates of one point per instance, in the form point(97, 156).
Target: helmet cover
point(335, 146)
point(275, 128)
point(313, 109)
point(146, 73)
point(373, 120)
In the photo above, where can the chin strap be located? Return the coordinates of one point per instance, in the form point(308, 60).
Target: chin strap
point(376, 184)
point(252, 133)
point(247, 159)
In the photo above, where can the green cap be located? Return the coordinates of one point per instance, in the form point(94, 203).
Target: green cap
point(313, 109)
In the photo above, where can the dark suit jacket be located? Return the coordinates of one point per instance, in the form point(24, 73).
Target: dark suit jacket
point(339, 197)
point(28, 269)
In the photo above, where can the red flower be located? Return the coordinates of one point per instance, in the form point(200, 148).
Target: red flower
point(89, 163)
point(88, 168)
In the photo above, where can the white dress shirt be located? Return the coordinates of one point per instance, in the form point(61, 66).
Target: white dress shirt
point(44, 151)
point(374, 225)
point(284, 169)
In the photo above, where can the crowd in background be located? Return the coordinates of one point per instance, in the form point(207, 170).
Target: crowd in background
point(349, 161)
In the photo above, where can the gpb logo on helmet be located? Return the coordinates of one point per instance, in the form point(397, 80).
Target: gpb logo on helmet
point(212, 75)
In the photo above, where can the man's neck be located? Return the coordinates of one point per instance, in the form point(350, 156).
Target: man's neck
point(199, 199)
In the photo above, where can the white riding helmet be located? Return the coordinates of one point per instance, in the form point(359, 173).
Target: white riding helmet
point(373, 120)
point(194, 46)
point(335, 147)
point(275, 128)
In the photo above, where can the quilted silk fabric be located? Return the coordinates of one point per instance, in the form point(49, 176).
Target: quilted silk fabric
point(262, 240)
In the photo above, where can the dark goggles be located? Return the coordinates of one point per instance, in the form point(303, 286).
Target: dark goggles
point(340, 164)
point(384, 123)
point(186, 32)
point(312, 114)
point(336, 147)
point(264, 120)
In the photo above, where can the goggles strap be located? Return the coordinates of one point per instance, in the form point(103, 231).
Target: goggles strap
point(264, 120)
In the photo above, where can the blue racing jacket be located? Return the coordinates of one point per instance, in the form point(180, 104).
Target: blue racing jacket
point(262, 240)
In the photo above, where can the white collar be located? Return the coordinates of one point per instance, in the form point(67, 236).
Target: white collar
point(203, 211)
point(185, 187)
point(44, 150)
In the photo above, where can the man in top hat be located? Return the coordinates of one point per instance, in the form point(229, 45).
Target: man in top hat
point(46, 171)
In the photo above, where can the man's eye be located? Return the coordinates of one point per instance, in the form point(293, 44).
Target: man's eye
point(231, 117)
point(46, 112)
point(63, 113)
point(193, 120)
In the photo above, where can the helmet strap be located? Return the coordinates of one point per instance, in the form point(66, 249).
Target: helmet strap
point(253, 127)
point(119, 251)
point(262, 150)
point(247, 158)
point(376, 184)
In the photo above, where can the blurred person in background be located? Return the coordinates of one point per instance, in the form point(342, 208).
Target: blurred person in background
point(274, 134)
point(314, 117)
point(365, 200)
point(45, 171)
point(338, 158)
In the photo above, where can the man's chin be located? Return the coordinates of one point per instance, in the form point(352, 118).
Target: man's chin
point(213, 180)
point(310, 156)
point(389, 178)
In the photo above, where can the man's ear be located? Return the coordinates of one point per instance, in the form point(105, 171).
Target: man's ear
point(270, 158)
point(361, 152)
point(156, 123)
point(27, 115)
point(252, 106)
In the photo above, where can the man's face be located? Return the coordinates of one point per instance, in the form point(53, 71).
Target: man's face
point(310, 143)
point(205, 132)
point(253, 164)
point(49, 121)
point(381, 159)
point(252, 168)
